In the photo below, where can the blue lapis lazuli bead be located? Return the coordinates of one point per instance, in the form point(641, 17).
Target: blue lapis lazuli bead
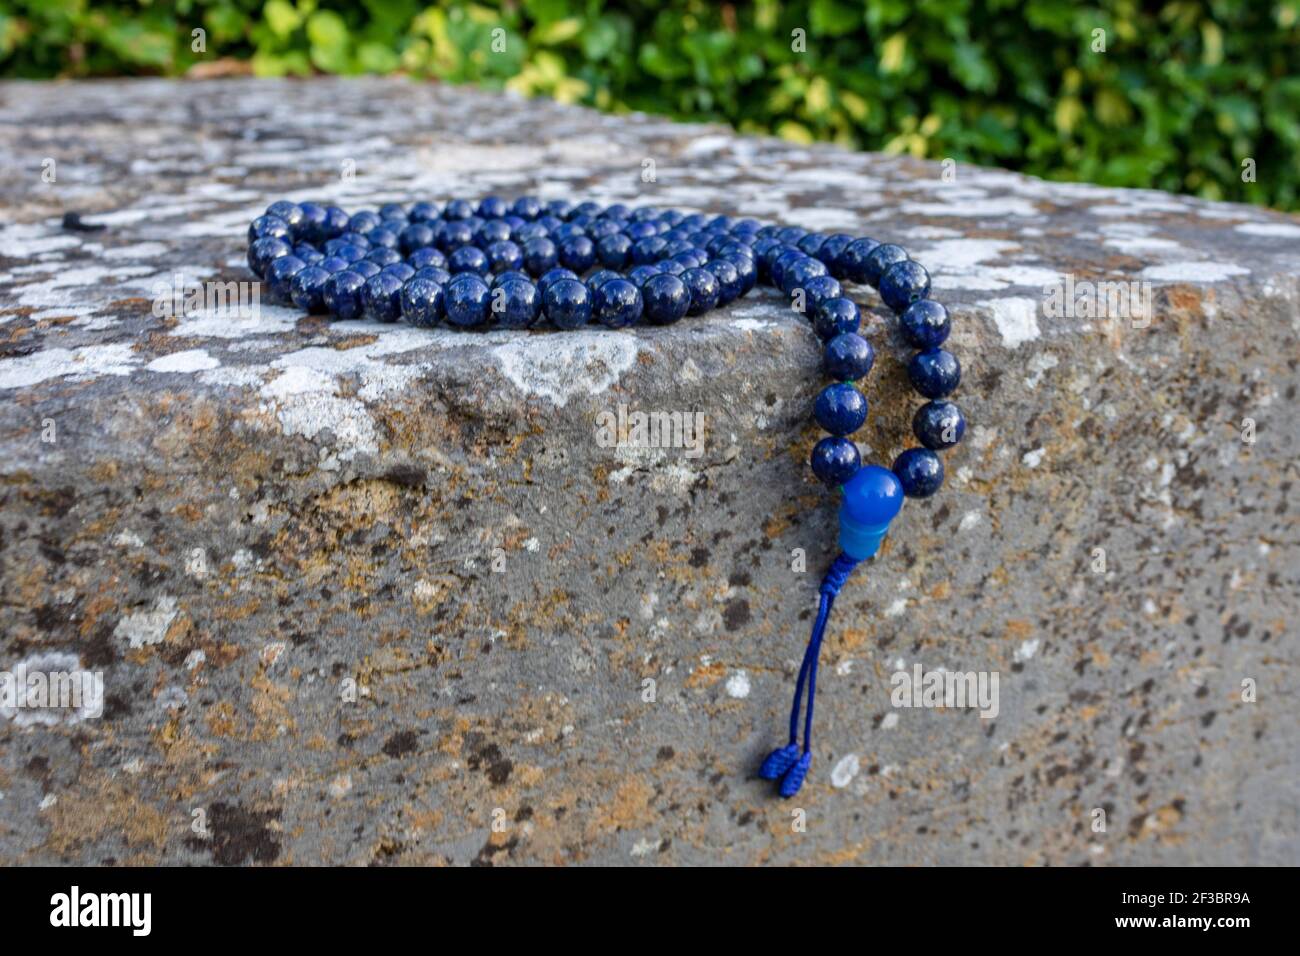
point(849, 357)
point(835, 460)
point(921, 472)
point(840, 409)
point(903, 284)
point(872, 499)
point(934, 372)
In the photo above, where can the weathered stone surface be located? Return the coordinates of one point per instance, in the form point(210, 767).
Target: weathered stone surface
point(235, 518)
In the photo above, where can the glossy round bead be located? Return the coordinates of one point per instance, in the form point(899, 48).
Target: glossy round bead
point(798, 274)
point(703, 287)
point(527, 208)
point(903, 284)
point(810, 244)
point(829, 251)
point(615, 251)
point(307, 288)
point(492, 207)
point(840, 409)
point(415, 236)
point(553, 276)
point(394, 211)
point(849, 357)
point(263, 250)
point(516, 303)
point(363, 222)
point(872, 499)
point(728, 280)
point(399, 269)
point(920, 472)
point(835, 316)
point(851, 263)
point(468, 259)
point(925, 324)
point(618, 304)
point(280, 273)
point(423, 212)
point(934, 372)
point(504, 256)
point(817, 290)
point(540, 256)
point(784, 262)
point(381, 298)
point(311, 227)
point(666, 299)
point(467, 300)
point(638, 275)
point(671, 266)
point(308, 253)
point(567, 303)
point(342, 295)
point(426, 256)
point(268, 227)
point(454, 235)
point(383, 257)
point(366, 268)
point(746, 271)
point(881, 258)
point(650, 249)
point(578, 254)
point(288, 211)
point(493, 230)
point(835, 460)
point(422, 302)
point(938, 425)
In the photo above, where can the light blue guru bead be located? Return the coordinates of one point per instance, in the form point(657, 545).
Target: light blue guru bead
point(872, 499)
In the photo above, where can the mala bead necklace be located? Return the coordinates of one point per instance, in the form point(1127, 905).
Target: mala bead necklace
point(527, 264)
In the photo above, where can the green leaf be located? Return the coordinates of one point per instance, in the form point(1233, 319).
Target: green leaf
point(281, 17)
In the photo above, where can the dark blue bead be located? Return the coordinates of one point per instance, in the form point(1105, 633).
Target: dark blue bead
point(881, 258)
point(400, 269)
point(835, 316)
point(938, 425)
point(559, 208)
point(382, 236)
point(428, 256)
point(552, 276)
point(311, 228)
point(454, 235)
point(434, 275)
point(492, 207)
point(342, 295)
point(671, 266)
point(394, 211)
point(566, 232)
point(636, 231)
point(504, 256)
point(332, 264)
point(336, 222)
point(617, 211)
point(817, 290)
point(308, 253)
point(382, 257)
point(578, 254)
point(422, 302)
point(840, 409)
point(729, 286)
point(618, 304)
point(638, 275)
point(457, 209)
point(381, 297)
point(934, 372)
point(529, 231)
point(268, 226)
point(925, 324)
point(648, 250)
point(666, 299)
point(262, 251)
point(830, 250)
point(588, 208)
point(280, 273)
point(501, 277)
point(796, 275)
point(494, 230)
point(366, 268)
point(363, 222)
point(600, 277)
point(288, 211)
point(467, 300)
point(602, 228)
point(919, 471)
point(851, 264)
point(784, 260)
point(354, 238)
point(349, 252)
point(704, 290)
point(424, 212)
point(567, 303)
point(747, 272)
point(540, 256)
point(791, 234)
point(468, 259)
point(811, 244)
point(527, 208)
point(307, 288)
point(849, 357)
point(516, 303)
point(904, 283)
point(835, 460)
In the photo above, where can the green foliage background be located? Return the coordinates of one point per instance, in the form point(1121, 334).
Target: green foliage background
point(1185, 91)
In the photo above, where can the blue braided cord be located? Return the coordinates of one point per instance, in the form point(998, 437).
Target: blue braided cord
point(779, 761)
point(793, 780)
point(823, 612)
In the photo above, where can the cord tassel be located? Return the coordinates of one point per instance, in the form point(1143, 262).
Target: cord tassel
point(790, 763)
